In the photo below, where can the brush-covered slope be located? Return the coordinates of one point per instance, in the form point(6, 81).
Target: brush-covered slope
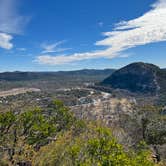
point(138, 77)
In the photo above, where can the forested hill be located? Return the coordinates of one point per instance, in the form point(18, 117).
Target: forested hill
point(138, 77)
point(24, 76)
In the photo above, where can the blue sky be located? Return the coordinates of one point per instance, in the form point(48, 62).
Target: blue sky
point(38, 35)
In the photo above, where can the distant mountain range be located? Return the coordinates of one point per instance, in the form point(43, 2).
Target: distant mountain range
point(25, 76)
point(138, 77)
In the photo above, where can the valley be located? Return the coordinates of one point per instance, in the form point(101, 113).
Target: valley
point(131, 116)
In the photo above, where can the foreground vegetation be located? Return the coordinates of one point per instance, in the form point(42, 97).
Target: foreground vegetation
point(94, 146)
point(53, 136)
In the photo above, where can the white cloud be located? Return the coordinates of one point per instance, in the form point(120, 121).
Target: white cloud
point(10, 20)
point(5, 41)
point(159, 4)
point(148, 28)
point(55, 47)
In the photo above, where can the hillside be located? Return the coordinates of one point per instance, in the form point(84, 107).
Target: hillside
point(54, 136)
point(138, 77)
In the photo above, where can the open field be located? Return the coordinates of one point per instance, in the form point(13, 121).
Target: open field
point(17, 91)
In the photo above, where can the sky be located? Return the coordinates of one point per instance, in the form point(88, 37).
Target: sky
point(58, 35)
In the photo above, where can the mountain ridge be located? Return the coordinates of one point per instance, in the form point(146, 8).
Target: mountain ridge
point(21, 76)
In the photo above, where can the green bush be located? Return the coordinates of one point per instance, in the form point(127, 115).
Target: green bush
point(95, 146)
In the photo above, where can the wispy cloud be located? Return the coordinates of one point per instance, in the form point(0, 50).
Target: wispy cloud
point(11, 22)
point(100, 24)
point(126, 55)
point(148, 28)
point(54, 47)
point(21, 49)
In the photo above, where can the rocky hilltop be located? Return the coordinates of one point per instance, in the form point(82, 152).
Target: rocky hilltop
point(138, 77)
